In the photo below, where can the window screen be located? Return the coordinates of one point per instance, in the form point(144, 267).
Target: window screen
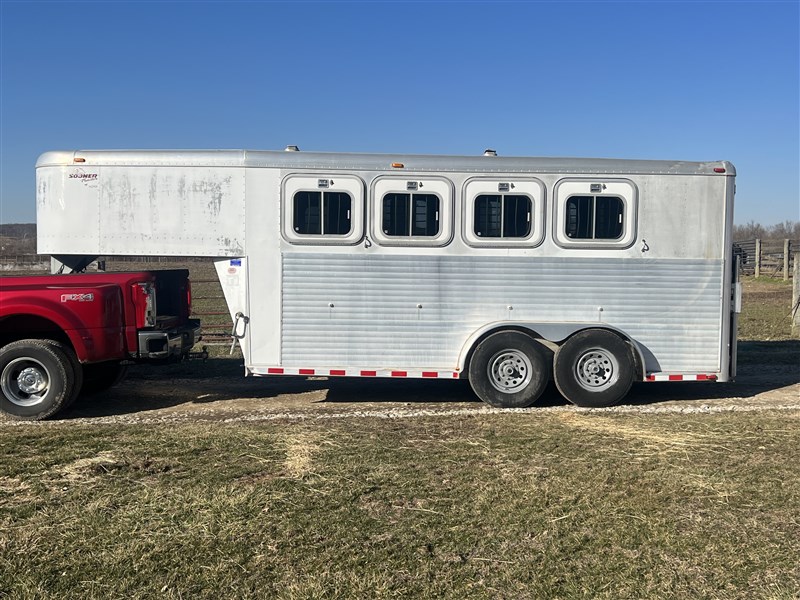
point(322, 213)
point(502, 216)
point(594, 217)
point(410, 215)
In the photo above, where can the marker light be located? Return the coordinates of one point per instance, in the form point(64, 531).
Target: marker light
point(76, 159)
point(719, 170)
point(397, 165)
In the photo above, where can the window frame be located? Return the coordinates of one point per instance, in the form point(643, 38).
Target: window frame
point(440, 187)
point(531, 187)
point(311, 182)
point(624, 189)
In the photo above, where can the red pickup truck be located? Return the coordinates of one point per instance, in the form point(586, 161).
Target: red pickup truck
point(61, 335)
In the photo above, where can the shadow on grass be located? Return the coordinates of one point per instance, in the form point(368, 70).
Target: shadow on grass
point(763, 367)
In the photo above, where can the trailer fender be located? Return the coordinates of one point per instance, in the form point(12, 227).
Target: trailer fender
point(554, 333)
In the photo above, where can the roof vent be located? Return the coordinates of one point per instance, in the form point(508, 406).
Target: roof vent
point(291, 149)
point(490, 152)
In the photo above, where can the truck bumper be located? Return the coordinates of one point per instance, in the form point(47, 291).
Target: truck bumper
point(168, 345)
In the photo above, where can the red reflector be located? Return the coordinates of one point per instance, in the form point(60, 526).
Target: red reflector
point(719, 170)
point(306, 371)
point(338, 373)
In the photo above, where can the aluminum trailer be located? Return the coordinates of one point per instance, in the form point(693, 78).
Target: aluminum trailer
point(509, 271)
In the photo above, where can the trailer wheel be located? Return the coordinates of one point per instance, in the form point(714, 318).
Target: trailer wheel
point(594, 368)
point(36, 379)
point(99, 377)
point(509, 370)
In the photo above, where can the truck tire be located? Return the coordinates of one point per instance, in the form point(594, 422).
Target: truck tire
point(509, 369)
point(594, 368)
point(99, 377)
point(36, 379)
point(77, 370)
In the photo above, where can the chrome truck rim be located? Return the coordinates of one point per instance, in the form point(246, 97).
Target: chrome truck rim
point(510, 371)
point(24, 382)
point(597, 369)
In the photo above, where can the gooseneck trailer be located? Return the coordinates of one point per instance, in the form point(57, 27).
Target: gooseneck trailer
point(507, 271)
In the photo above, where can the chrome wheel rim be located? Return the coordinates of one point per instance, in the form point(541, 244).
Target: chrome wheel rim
point(596, 370)
point(25, 382)
point(510, 371)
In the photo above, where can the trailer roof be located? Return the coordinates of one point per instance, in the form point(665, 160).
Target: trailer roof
point(377, 162)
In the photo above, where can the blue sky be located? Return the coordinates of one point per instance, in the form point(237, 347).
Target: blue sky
point(663, 80)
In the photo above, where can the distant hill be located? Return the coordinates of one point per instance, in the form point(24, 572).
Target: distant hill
point(18, 230)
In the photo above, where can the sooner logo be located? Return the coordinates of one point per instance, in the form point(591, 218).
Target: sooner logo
point(87, 179)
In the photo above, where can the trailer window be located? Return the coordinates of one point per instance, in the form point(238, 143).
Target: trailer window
point(322, 213)
point(503, 211)
point(502, 216)
point(594, 217)
point(415, 215)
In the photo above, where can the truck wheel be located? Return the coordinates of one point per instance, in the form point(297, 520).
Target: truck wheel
point(509, 370)
point(35, 379)
point(594, 368)
point(102, 376)
point(77, 371)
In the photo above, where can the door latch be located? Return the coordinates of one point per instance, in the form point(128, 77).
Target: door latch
point(244, 320)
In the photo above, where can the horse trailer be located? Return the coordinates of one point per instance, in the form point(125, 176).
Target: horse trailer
point(596, 273)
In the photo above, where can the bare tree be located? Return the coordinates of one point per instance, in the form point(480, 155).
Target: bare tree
point(780, 231)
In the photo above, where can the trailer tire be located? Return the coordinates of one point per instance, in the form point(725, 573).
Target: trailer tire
point(594, 368)
point(509, 369)
point(36, 379)
point(99, 377)
point(77, 371)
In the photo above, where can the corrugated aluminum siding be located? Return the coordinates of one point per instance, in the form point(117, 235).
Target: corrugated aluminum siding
point(671, 307)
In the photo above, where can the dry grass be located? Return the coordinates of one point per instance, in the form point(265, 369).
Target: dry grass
point(300, 450)
point(503, 506)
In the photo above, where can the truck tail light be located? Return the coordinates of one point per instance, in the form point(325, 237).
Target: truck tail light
point(188, 297)
point(144, 299)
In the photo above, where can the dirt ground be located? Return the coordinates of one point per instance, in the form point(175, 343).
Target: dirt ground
point(216, 390)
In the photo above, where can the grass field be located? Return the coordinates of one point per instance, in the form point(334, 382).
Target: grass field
point(503, 506)
point(766, 309)
point(539, 505)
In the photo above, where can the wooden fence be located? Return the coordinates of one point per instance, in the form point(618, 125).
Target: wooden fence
point(767, 258)
point(24, 262)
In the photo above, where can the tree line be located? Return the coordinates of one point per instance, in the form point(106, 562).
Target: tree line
point(788, 230)
point(17, 238)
